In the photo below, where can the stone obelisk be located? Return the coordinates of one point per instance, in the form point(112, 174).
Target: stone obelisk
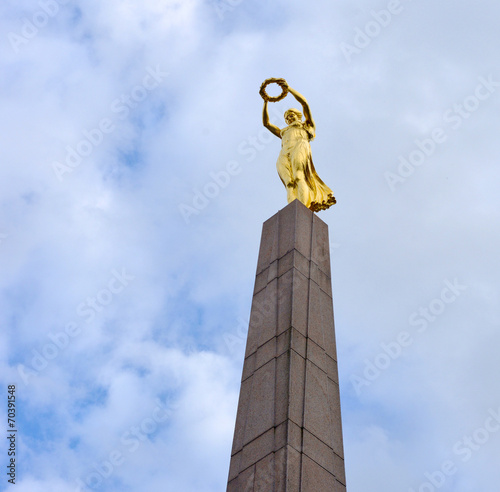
point(288, 435)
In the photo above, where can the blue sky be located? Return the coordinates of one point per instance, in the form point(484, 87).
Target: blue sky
point(135, 178)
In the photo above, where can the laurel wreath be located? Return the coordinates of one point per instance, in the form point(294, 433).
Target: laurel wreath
point(284, 89)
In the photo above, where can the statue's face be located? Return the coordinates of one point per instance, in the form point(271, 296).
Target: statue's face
point(291, 117)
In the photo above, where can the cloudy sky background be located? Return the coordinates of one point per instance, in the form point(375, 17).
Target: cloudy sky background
point(127, 275)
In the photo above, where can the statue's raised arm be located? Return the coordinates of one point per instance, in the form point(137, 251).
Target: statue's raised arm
point(265, 120)
point(295, 166)
point(305, 107)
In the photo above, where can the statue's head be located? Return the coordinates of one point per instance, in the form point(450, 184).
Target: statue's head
point(292, 115)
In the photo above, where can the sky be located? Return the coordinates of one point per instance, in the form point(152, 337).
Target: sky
point(135, 178)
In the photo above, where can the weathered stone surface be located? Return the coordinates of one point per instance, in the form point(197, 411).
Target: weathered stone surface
point(319, 452)
point(315, 477)
point(257, 449)
point(262, 317)
point(264, 474)
point(291, 339)
point(297, 376)
point(260, 413)
point(322, 279)
point(282, 388)
point(285, 287)
point(331, 368)
point(265, 353)
point(243, 482)
point(295, 226)
point(317, 410)
point(249, 366)
point(288, 435)
point(320, 253)
point(268, 244)
point(334, 401)
point(339, 469)
point(239, 430)
point(317, 355)
point(295, 436)
point(235, 466)
point(294, 259)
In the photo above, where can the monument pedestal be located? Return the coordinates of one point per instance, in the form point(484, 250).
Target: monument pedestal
point(288, 434)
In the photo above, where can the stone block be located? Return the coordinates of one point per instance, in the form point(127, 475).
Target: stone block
point(317, 355)
point(315, 328)
point(293, 459)
point(264, 474)
point(291, 339)
point(244, 482)
point(280, 469)
point(286, 230)
point(282, 387)
point(263, 317)
point(300, 302)
point(261, 281)
point(332, 369)
point(319, 277)
point(321, 327)
point(285, 263)
point(320, 253)
point(268, 251)
point(285, 285)
point(288, 433)
point(260, 404)
point(293, 259)
point(334, 411)
point(295, 225)
point(235, 465)
point(293, 289)
point(317, 407)
point(339, 468)
point(339, 487)
point(315, 478)
point(281, 435)
point(265, 353)
point(294, 436)
point(249, 366)
point(298, 342)
point(297, 381)
point(232, 485)
point(257, 449)
point(243, 405)
point(319, 452)
point(328, 325)
point(272, 271)
point(247, 479)
point(283, 342)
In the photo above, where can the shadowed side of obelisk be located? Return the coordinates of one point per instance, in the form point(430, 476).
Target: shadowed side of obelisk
point(288, 434)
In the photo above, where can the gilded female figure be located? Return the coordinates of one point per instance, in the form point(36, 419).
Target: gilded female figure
point(295, 166)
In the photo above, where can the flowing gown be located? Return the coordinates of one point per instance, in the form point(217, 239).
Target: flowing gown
point(295, 155)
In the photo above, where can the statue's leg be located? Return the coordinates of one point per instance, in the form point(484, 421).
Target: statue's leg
point(284, 167)
point(302, 188)
point(299, 161)
point(291, 192)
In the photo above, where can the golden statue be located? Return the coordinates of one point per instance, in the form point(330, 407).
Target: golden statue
point(295, 165)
